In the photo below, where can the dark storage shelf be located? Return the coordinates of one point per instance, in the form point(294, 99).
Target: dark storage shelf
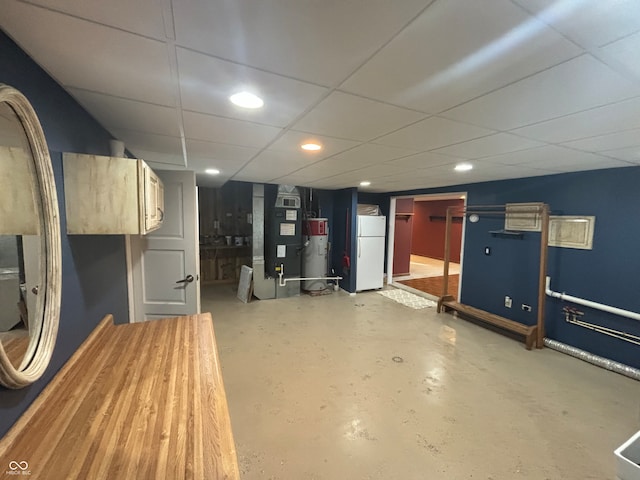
point(441, 218)
point(406, 216)
point(507, 234)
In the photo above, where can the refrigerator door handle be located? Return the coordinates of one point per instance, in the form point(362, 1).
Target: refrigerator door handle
point(359, 249)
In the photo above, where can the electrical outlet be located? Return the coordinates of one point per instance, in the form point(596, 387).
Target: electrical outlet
point(508, 302)
point(526, 308)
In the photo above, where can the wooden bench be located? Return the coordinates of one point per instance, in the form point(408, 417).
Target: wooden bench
point(448, 303)
point(142, 400)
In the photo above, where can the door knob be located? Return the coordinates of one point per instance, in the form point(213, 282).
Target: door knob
point(187, 279)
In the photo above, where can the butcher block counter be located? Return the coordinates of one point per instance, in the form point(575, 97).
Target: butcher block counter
point(136, 401)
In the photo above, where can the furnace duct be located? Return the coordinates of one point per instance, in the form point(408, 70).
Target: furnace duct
point(602, 362)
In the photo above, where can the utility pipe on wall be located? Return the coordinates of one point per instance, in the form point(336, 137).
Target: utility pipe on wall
point(589, 303)
point(602, 362)
point(283, 281)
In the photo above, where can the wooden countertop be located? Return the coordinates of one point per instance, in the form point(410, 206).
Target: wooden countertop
point(143, 401)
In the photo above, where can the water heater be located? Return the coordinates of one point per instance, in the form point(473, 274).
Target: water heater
point(314, 259)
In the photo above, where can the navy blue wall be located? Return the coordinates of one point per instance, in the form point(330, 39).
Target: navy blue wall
point(93, 267)
point(607, 274)
point(345, 206)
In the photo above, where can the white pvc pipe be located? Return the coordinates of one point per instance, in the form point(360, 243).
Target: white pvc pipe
point(589, 303)
point(282, 282)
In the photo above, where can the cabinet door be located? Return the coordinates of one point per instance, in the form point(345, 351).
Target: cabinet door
point(101, 194)
point(153, 200)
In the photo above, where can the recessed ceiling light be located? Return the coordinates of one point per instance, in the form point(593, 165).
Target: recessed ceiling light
point(311, 147)
point(212, 171)
point(365, 184)
point(246, 100)
point(463, 167)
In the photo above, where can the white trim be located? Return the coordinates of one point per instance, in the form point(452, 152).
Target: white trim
point(431, 197)
point(197, 250)
point(392, 234)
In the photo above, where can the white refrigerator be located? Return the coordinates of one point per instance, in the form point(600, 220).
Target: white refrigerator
point(370, 252)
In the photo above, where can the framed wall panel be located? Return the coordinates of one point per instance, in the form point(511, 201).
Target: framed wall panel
point(571, 231)
point(523, 217)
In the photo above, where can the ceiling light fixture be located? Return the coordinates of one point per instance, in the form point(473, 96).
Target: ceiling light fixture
point(463, 167)
point(246, 100)
point(365, 184)
point(311, 147)
point(212, 171)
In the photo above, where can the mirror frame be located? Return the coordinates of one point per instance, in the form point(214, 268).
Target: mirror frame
point(44, 329)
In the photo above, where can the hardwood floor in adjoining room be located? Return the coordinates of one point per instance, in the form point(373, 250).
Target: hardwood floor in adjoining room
point(361, 387)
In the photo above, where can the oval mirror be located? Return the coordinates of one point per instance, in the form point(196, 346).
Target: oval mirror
point(30, 274)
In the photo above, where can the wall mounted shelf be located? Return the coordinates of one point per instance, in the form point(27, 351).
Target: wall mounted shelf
point(442, 218)
point(507, 234)
point(406, 216)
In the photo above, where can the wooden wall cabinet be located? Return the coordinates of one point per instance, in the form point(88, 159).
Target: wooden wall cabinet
point(111, 195)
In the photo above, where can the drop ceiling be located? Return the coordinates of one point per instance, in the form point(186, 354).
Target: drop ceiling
point(397, 92)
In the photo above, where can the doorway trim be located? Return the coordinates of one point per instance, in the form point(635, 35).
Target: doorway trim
point(392, 233)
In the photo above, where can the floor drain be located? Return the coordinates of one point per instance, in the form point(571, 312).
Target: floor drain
point(397, 359)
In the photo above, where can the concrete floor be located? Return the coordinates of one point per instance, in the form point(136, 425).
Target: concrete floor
point(360, 387)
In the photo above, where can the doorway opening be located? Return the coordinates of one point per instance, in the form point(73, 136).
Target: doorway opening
point(416, 248)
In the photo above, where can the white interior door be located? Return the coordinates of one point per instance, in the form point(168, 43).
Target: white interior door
point(164, 264)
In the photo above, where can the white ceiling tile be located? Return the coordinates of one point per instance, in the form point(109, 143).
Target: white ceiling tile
point(369, 154)
point(90, 56)
point(326, 168)
point(573, 163)
point(588, 22)
point(454, 52)
point(206, 83)
point(271, 164)
point(113, 112)
point(458, 50)
point(309, 40)
point(291, 140)
point(554, 158)
point(597, 121)
point(353, 159)
point(426, 160)
point(143, 17)
point(226, 167)
point(625, 51)
point(149, 142)
point(199, 126)
point(170, 159)
point(432, 133)
point(227, 158)
point(381, 170)
point(573, 86)
point(527, 156)
point(348, 116)
point(295, 179)
point(506, 172)
point(618, 140)
point(627, 154)
point(487, 146)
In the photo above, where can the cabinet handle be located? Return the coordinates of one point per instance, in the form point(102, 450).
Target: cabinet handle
point(161, 214)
